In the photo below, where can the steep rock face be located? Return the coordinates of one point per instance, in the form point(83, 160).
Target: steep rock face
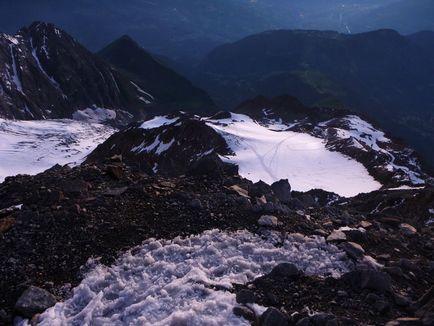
point(181, 144)
point(47, 74)
point(167, 87)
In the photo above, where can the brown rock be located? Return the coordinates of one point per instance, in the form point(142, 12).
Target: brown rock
point(6, 224)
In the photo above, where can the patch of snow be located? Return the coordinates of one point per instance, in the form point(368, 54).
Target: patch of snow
point(183, 281)
point(157, 145)
point(30, 147)
point(364, 134)
point(94, 115)
point(157, 121)
point(431, 219)
point(38, 63)
point(267, 155)
point(142, 91)
point(405, 187)
point(11, 39)
point(15, 78)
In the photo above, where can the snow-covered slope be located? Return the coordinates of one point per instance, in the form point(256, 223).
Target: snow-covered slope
point(187, 281)
point(269, 154)
point(30, 147)
point(345, 155)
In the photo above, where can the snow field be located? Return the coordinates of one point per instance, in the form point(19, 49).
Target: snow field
point(30, 147)
point(183, 281)
point(263, 153)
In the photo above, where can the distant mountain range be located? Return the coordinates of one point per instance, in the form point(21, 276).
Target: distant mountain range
point(186, 30)
point(381, 73)
point(45, 73)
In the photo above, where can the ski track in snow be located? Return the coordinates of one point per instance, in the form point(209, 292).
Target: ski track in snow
point(270, 155)
point(31, 147)
point(170, 282)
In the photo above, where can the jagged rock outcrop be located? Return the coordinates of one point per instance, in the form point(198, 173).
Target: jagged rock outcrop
point(46, 73)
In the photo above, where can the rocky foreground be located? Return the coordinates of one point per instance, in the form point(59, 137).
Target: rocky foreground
point(52, 223)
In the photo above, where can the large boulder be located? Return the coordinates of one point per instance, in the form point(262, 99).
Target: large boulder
point(282, 190)
point(34, 300)
point(369, 279)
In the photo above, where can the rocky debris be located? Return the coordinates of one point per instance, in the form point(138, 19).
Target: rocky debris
point(282, 190)
point(425, 308)
point(268, 220)
point(318, 320)
point(69, 215)
point(245, 296)
point(33, 301)
point(273, 317)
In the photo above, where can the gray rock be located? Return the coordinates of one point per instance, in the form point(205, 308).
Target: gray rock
point(407, 229)
point(405, 321)
point(34, 300)
point(369, 279)
point(337, 236)
point(196, 204)
point(268, 220)
point(282, 190)
point(353, 250)
point(260, 189)
point(273, 317)
point(245, 296)
point(285, 270)
point(245, 312)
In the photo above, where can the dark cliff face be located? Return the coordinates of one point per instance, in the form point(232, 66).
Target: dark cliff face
point(47, 74)
point(169, 88)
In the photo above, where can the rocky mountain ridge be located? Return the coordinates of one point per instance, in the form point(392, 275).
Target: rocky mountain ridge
point(48, 75)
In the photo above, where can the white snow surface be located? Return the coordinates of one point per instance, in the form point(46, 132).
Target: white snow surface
point(264, 153)
point(170, 282)
point(157, 121)
point(30, 147)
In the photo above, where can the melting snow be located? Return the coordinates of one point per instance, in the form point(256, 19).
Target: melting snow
point(30, 147)
point(268, 155)
point(170, 282)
